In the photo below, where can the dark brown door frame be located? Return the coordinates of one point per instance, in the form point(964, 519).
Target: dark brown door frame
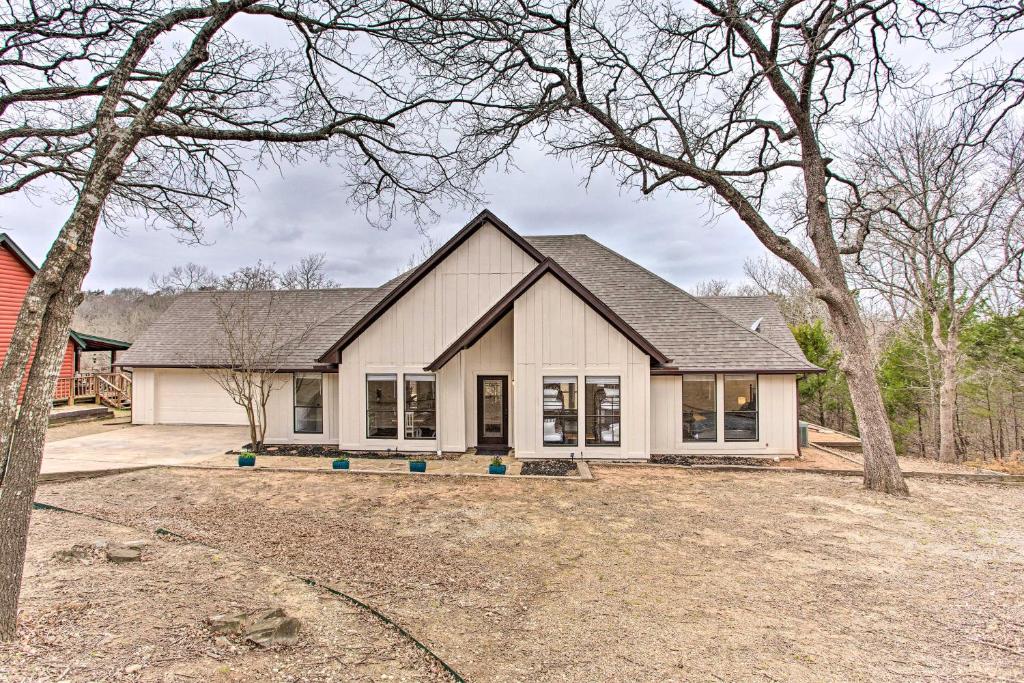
point(480, 438)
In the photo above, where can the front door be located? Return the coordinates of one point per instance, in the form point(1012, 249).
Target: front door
point(492, 410)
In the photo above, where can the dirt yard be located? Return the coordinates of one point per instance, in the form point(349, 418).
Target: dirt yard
point(645, 574)
point(91, 620)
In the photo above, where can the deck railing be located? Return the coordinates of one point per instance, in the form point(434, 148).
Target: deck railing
point(111, 388)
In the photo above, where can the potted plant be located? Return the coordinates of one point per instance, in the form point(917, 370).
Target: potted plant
point(497, 466)
point(341, 462)
point(246, 459)
point(417, 465)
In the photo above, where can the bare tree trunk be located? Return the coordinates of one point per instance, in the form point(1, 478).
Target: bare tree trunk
point(920, 430)
point(881, 468)
point(19, 486)
point(73, 245)
point(947, 404)
point(991, 423)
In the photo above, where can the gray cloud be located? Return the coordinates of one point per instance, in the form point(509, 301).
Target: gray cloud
point(304, 209)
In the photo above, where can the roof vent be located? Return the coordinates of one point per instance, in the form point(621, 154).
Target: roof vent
point(756, 327)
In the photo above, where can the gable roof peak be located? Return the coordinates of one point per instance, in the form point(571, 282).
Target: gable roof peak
point(484, 217)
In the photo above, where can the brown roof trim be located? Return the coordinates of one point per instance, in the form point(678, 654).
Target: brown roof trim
point(333, 354)
point(326, 369)
point(774, 371)
point(504, 305)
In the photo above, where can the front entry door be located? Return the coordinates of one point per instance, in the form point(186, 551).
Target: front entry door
point(492, 410)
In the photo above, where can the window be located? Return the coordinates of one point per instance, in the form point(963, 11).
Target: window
point(420, 407)
point(381, 407)
point(740, 393)
point(603, 411)
point(561, 417)
point(700, 408)
point(308, 395)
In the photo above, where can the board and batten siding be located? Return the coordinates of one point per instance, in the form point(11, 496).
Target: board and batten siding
point(418, 327)
point(281, 411)
point(776, 420)
point(557, 334)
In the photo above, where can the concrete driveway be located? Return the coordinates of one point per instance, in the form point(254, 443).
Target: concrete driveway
point(141, 445)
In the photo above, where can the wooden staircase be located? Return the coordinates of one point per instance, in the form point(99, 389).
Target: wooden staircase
point(114, 389)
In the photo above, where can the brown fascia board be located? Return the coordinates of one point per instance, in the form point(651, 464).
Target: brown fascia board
point(333, 354)
point(326, 369)
point(773, 371)
point(504, 305)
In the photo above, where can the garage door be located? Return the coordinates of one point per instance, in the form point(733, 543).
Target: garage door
point(191, 397)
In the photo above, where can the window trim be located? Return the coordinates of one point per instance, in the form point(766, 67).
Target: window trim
point(718, 418)
point(380, 377)
point(419, 377)
point(560, 380)
point(757, 411)
point(601, 380)
point(295, 403)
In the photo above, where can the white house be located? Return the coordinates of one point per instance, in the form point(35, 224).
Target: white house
point(548, 345)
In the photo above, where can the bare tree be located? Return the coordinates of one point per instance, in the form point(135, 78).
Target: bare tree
point(187, 278)
point(257, 276)
point(991, 78)
point(253, 335)
point(309, 273)
point(940, 212)
point(712, 287)
point(722, 98)
point(777, 279)
point(150, 108)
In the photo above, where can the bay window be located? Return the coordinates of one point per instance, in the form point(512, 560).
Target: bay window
point(603, 406)
point(561, 415)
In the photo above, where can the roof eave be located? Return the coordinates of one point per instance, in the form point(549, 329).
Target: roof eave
point(667, 370)
point(501, 308)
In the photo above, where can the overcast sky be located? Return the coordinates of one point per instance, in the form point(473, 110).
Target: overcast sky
point(304, 209)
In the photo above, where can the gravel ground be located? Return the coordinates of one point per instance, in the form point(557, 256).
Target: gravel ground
point(91, 620)
point(644, 575)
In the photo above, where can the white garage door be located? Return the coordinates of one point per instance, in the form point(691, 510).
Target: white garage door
point(191, 397)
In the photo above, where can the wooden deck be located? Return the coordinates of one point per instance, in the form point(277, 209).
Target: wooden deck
point(113, 389)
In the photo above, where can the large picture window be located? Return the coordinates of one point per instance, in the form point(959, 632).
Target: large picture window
point(561, 415)
point(603, 411)
point(740, 393)
point(420, 407)
point(700, 408)
point(381, 407)
point(308, 395)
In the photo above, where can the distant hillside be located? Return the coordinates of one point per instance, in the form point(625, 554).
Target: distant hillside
point(120, 313)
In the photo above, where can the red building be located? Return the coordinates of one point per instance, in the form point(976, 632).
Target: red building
point(16, 271)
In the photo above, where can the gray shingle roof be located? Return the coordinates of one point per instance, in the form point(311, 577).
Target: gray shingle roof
point(747, 310)
point(707, 334)
point(190, 332)
point(695, 335)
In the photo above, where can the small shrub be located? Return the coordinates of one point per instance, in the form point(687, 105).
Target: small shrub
point(496, 461)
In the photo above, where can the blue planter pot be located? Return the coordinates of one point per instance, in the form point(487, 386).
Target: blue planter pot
point(496, 469)
point(340, 464)
point(417, 465)
point(247, 461)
